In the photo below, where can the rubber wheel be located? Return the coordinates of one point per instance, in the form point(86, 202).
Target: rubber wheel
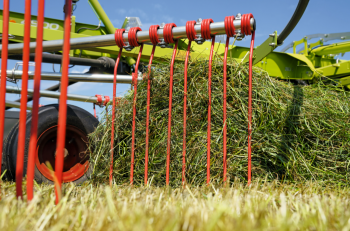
point(76, 168)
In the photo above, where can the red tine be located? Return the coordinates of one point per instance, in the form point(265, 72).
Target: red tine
point(36, 95)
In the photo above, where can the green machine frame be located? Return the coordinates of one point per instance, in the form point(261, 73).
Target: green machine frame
point(313, 62)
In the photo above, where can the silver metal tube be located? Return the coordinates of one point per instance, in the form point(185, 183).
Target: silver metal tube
point(216, 28)
point(56, 95)
point(16, 104)
point(100, 78)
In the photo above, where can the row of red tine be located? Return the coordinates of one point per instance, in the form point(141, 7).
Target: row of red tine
point(155, 40)
point(4, 54)
point(191, 35)
point(132, 38)
point(99, 102)
point(35, 109)
point(168, 38)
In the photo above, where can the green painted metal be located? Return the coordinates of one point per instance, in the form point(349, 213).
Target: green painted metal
point(102, 16)
point(313, 63)
point(301, 41)
point(264, 49)
point(318, 43)
point(334, 48)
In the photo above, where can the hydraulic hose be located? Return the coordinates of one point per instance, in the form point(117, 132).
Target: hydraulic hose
point(298, 13)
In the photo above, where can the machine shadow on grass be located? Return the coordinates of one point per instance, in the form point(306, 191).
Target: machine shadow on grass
point(290, 131)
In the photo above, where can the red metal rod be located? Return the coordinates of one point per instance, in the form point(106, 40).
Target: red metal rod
point(36, 96)
point(62, 112)
point(185, 115)
point(230, 31)
point(169, 115)
point(147, 113)
point(120, 43)
point(113, 115)
point(133, 42)
point(191, 35)
point(168, 38)
point(250, 108)
point(205, 31)
point(209, 109)
point(155, 40)
point(224, 108)
point(24, 96)
point(4, 55)
point(135, 75)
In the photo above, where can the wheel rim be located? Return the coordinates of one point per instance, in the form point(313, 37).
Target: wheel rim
point(76, 161)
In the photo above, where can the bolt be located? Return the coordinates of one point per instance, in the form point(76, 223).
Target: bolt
point(199, 21)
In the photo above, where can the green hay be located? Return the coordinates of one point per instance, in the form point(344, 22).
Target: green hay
point(299, 132)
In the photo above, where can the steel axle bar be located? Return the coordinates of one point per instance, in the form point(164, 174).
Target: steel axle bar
point(216, 28)
point(56, 95)
point(101, 78)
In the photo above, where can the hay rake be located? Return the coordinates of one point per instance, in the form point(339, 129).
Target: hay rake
point(130, 39)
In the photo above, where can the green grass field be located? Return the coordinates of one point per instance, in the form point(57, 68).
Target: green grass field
point(262, 206)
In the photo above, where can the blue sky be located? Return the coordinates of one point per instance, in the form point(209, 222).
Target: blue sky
point(321, 16)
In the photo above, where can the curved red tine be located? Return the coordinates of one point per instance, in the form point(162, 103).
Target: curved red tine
point(120, 43)
point(24, 97)
point(230, 32)
point(4, 56)
point(250, 108)
point(205, 31)
point(191, 35)
point(135, 75)
point(155, 40)
point(36, 95)
point(168, 38)
point(133, 42)
point(62, 111)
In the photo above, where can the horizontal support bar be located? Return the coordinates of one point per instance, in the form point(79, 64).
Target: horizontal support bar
point(13, 104)
point(73, 77)
point(217, 28)
point(56, 95)
point(57, 59)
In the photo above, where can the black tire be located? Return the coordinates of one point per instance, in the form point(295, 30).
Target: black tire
point(77, 118)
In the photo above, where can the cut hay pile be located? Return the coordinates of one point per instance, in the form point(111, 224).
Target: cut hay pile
point(299, 132)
